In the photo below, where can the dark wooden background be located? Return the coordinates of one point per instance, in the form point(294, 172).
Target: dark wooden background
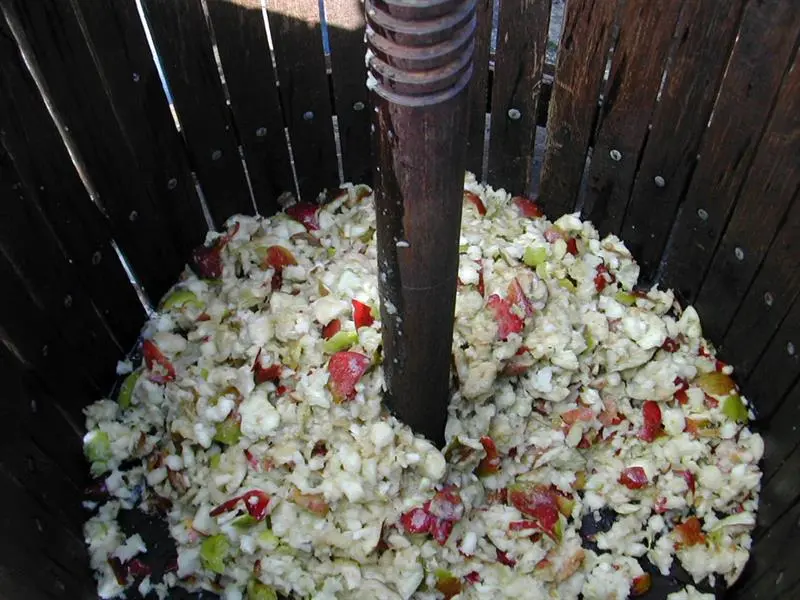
point(673, 124)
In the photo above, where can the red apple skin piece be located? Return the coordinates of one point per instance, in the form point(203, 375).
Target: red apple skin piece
point(476, 201)
point(331, 329)
point(633, 478)
point(507, 321)
point(305, 213)
point(362, 315)
point(346, 369)
point(527, 207)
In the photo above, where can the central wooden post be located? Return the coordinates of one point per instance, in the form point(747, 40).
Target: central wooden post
point(420, 65)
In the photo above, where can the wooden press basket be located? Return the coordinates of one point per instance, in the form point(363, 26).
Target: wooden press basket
point(674, 123)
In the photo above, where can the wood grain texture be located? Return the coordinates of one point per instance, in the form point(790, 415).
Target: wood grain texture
point(297, 39)
point(132, 84)
point(183, 41)
point(774, 556)
point(637, 68)
point(48, 180)
point(29, 247)
point(768, 299)
point(705, 31)
point(765, 44)
point(777, 367)
point(479, 88)
point(582, 53)
point(79, 95)
point(346, 28)
point(241, 37)
point(762, 205)
point(521, 48)
point(780, 437)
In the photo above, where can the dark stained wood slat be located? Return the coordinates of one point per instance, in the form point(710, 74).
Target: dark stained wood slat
point(80, 97)
point(780, 434)
point(582, 54)
point(140, 106)
point(36, 546)
point(766, 195)
point(778, 367)
point(49, 180)
point(297, 40)
point(775, 553)
point(705, 30)
point(241, 37)
point(346, 27)
point(479, 90)
point(636, 72)
point(768, 299)
point(521, 43)
point(27, 243)
point(182, 38)
point(766, 42)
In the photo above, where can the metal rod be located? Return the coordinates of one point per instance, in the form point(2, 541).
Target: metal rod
point(420, 64)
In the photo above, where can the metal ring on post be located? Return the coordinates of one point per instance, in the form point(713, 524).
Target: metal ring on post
point(419, 67)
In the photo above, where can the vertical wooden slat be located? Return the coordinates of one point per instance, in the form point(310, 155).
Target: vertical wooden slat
point(49, 180)
point(349, 73)
point(636, 72)
point(241, 36)
point(776, 552)
point(134, 88)
point(28, 245)
point(768, 299)
point(777, 367)
point(780, 432)
point(581, 60)
point(58, 49)
point(183, 42)
point(757, 64)
point(479, 88)
point(297, 39)
point(705, 30)
point(522, 44)
point(766, 195)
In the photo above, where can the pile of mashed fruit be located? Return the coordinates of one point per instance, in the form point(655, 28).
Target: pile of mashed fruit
point(253, 423)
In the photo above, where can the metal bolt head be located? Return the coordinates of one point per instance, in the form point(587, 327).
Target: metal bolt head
point(261, 132)
point(136, 78)
point(702, 213)
point(514, 114)
point(357, 106)
point(659, 181)
point(216, 155)
point(45, 350)
point(67, 301)
point(615, 155)
point(308, 115)
point(738, 253)
point(768, 299)
point(133, 216)
point(172, 183)
point(97, 257)
point(790, 349)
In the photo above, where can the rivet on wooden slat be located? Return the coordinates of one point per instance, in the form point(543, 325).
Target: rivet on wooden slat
point(615, 155)
point(790, 349)
point(420, 65)
point(702, 213)
point(659, 181)
point(768, 298)
point(514, 114)
point(738, 253)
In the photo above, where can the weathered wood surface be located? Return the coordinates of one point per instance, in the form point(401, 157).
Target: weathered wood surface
point(765, 44)
point(522, 43)
point(777, 367)
point(40, 170)
point(479, 88)
point(241, 36)
point(57, 47)
point(420, 105)
point(768, 299)
point(297, 39)
point(183, 41)
point(639, 60)
point(582, 54)
point(705, 32)
point(762, 206)
point(346, 27)
point(122, 56)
